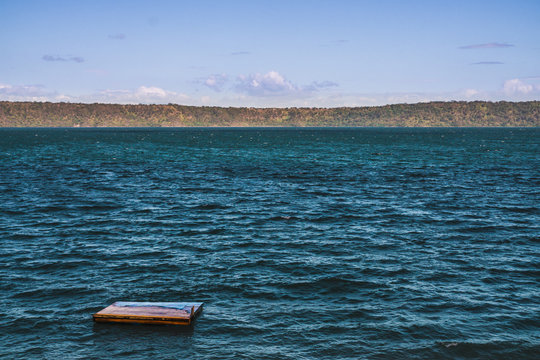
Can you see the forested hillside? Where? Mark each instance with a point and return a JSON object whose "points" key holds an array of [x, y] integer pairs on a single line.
{"points": [[477, 113]]}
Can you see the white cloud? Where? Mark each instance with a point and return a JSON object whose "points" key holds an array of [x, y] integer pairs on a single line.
{"points": [[269, 84], [216, 82], [141, 95], [63, 98], [28, 93], [517, 86], [151, 92], [468, 93], [273, 84]]}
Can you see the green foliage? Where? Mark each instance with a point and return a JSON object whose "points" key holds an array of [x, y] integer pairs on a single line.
{"points": [[444, 114]]}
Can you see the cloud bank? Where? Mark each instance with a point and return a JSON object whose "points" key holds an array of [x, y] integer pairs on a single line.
{"points": [[140, 95], [273, 90], [27, 93], [521, 86], [270, 84], [274, 84]]}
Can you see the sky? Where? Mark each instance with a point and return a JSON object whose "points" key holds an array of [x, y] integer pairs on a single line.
{"points": [[269, 53]]}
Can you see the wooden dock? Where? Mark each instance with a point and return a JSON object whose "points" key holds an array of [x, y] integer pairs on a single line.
{"points": [[163, 313]]}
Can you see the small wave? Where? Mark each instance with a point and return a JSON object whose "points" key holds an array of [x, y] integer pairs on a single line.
{"points": [[24, 236], [283, 218], [210, 206], [521, 210], [54, 292], [481, 229], [385, 272], [99, 207], [485, 350], [334, 285], [53, 265]]}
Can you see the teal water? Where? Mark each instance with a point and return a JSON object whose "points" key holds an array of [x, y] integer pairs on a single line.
{"points": [[303, 243]]}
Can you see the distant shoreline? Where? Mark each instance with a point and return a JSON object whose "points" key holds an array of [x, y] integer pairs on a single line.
{"points": [[432, 114]]}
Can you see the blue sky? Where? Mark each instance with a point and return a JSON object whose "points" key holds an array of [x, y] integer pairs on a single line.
{"points": [[269, 53]]}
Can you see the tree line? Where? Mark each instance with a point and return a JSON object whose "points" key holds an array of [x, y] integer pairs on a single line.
{"points": [[431, 114]]}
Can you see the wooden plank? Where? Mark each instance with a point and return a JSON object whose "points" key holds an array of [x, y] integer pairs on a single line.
{"points": [[173, 313]]}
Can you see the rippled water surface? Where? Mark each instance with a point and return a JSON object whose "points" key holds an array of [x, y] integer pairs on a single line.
{"points": [[303, 243]]}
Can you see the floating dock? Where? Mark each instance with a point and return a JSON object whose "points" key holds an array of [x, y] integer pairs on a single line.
{"points": [[163, 313]]}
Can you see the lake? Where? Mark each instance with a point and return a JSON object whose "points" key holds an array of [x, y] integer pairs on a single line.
{"points": [[302, 243]]}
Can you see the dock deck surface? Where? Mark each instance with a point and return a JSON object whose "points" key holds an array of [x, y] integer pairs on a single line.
{"points": [[172, 313]]}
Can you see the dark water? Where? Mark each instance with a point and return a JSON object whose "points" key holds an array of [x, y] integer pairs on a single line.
{"points": [[303, 243]]}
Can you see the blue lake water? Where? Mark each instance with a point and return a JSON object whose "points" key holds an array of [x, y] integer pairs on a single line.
{"points": [[303, 243]]}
